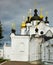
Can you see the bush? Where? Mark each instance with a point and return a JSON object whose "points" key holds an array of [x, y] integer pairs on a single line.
{"points": [[2, 60]]}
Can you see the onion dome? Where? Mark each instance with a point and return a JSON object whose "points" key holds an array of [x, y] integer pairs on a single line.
{"points": [[28, 20], [35, 17], [41, 16], [46, 20], [23, 25], [13, 31]]}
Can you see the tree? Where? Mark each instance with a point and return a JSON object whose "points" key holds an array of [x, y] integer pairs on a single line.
{"points": [[1, 36]]}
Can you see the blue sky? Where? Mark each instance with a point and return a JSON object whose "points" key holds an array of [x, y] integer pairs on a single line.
{"points": [[14, 10]]}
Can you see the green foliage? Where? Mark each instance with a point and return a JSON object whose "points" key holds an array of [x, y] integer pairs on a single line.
{"points": [[1, 31], [2, 60]]}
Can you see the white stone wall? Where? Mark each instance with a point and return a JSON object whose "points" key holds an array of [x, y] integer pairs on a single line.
{"points": [[1, 52], [32, 30], [20, 48], [7, 52], [35, 51], [41, 27], [44, 51], [47, 51]]}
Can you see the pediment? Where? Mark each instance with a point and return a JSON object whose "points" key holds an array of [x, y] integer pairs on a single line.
{"points": [[49, 33]]}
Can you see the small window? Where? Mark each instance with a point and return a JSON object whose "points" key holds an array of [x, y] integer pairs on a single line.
{"points": [[41, 32]]}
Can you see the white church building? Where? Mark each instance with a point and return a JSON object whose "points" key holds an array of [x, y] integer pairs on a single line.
{"points": [[33, 43]]}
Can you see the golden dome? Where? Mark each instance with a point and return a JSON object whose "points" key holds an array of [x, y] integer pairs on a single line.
{"points": [[23, 25], [41, 16]]}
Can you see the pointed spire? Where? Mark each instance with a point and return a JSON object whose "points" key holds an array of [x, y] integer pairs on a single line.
{"points": [[41, 15], [23, 25], [13, 25], [46, 13], [13, 30], [46, 18], [35, 4], [29, 13], [23, 18]]}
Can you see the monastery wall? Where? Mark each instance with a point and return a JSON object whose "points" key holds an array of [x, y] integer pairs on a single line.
{"points": [[20, 48]]}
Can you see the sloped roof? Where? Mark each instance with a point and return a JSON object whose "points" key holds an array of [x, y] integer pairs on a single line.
{"points": [[43, 27], [49, 33]]}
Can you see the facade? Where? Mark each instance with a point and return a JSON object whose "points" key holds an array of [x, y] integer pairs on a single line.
{"points": [[20, 50], [47, 51], [30, 44]]}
